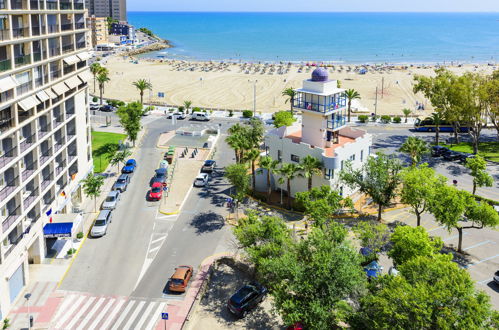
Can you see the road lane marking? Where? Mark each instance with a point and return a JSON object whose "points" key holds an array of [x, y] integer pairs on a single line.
{"points": [[154, 318], [153, 250], [145, 315], [479, 244], [70, 311], [134, 315], [101, 314], [90, 314], [124, 314], [79, 314], [113, 314], [483, 260], [158, 240]]}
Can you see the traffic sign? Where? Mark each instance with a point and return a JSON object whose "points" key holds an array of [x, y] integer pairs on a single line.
{"points": [[164, 316]]}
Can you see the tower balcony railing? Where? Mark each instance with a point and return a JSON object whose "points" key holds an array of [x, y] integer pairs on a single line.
{"points": [[47, 180], [67, 26], [4, 35], [11, 218], [312, 106], [79, 25], [18, 4], [52, 28], [8, 157], [68, 48], [5, 65], [51, 5], [65, 5], [22, 60], [31, 198], [28, 172], [45, 155], [78, 5], [20, 32], [27, 142], [337, 123], [9, 188]]}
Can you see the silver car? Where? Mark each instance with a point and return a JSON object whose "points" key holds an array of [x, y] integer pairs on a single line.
{"points": [[111, 200], [99, 228], [122, 182]]}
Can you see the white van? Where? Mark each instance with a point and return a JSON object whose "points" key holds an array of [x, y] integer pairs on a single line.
{"points": [[200, 116]]}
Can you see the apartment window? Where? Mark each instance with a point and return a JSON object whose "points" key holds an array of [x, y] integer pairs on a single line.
{"points": [[295, 158], [24, 80], [342, 165], [328, 174], [279, 156], [362, 155], [352, 157]]}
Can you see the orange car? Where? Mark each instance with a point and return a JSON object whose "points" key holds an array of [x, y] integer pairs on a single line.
{"points": [[179, 279]]}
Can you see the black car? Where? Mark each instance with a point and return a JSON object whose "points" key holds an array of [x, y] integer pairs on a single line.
{"points": [[452, 155], [107, 108], [208, 166], [496, 278], [437, 151], [246, 298], [160, 176], [464, 156]]}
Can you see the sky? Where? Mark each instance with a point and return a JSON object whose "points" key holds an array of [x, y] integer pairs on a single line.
{"points": [[315, 5]]}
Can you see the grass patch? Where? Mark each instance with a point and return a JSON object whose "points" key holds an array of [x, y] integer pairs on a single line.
{"points": [[488, 150], [103, 146]]}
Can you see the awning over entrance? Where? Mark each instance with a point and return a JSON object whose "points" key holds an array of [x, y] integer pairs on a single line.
{"points": [[55, 230]]}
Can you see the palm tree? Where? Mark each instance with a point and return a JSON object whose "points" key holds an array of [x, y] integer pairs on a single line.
{"points": [[288, 172], [120, 157], [95, 69], [102, 78], [142, 85], [269, 164], [437, 120], [187, 105], [236, 143], [351, 94], [406, 113], [310, 166], [416, 148], [252, 156], [290, 93]]}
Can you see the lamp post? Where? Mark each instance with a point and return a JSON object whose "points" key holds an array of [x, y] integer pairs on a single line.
{"points": [[27, 296], [254, 95]]}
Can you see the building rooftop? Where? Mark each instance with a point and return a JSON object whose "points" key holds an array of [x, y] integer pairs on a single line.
{"points": [[329, 151], [320, 74]]}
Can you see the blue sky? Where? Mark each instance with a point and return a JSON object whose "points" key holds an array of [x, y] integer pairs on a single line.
{"points": [[314, 5]]}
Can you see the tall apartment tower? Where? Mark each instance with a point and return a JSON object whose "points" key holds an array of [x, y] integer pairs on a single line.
{"points": [[45, 146], [107, 8]]}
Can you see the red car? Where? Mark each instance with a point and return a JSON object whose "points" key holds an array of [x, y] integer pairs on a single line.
{"points": [[156, 191]]}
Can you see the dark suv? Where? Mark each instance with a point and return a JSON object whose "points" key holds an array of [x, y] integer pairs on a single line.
{"points": [[246, 298]]}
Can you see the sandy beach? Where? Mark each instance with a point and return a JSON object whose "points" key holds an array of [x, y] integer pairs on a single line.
{"points": [[230, 86]]}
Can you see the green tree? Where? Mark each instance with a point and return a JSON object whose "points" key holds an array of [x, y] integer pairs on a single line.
{"points": [[119, 157], [415, 147], [187, 105], [237, 174], [379, 178], [255, 130], [290, 93], [478, 169], [102, 78], [130, 116], [457, 209], [142, 85], [430, 292], [418, 188], [283, 118], [288, 172], [406, 113], [351, 94], [490, 96], [252, 156], [310, 166], [320, 204], [269, 164], [94, 69], [437, 120], [372, 235], [239, 140], [92, 187], [410, 242]]}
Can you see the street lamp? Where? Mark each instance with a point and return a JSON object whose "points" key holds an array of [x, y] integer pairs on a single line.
{"points": [[254, 95], [27, 296]]}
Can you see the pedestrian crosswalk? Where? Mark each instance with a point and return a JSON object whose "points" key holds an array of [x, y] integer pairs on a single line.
{"points": [[83, 311]]}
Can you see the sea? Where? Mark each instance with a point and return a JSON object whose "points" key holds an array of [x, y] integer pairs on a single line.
{"points": [[326, 37]]}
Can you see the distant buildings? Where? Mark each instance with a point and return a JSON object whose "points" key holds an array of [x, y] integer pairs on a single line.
{"points": [[45, 148], [99, 32], [115, 9], [322, 134]]}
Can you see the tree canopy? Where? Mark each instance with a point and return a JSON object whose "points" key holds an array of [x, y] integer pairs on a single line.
{"points": [[283, 118], [478, 169], [130, 116], [410, 242], [320, 204]]}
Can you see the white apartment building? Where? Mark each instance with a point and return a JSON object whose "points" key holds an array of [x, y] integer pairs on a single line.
{"points": [[322, 134], [44, 129]]}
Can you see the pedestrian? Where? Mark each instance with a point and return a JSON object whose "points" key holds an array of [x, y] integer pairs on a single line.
{"points": [[454, 182]]}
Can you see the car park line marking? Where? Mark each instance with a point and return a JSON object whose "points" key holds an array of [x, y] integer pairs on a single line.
{"points": [[485, 281], [479, 244], [154, 249], [483, 260], [435, 228], [449, 238], [157, 240]]}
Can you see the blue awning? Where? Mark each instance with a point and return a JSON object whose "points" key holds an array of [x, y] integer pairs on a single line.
{"points": [[55, 230]]}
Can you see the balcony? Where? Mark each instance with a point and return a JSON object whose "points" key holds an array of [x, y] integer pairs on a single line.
{"points": [[22, 60], [7, 157], [58, 144], [9, 188], [57, 122], [4, 35], [28, 142], [79, 26], [67, 26], [13, 243], [24, 88], [18, 4], [60, 167], [55, 51], [337, 123], [45, 155], [43, 131], [31, 198], [11, 218], [6, 123], [20, 32], [68, 48], [5, 65], [47, 180], [55, 74], [36, 30], [51, 5], [37, 56], [65, 5], [34, 4], [78, 6], [52, 28], [26, 174]]}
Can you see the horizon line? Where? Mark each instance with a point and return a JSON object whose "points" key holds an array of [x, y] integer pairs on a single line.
{"points": [[314, 12]]}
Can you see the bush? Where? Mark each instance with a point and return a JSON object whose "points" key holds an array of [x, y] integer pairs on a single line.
{"points": [[181, 108], [385, 119], [397, 120], [363, 118], [231, 113], [283, 118], [79, 235], [95, 99], [247, 113], [374, 118], [196, 109]]}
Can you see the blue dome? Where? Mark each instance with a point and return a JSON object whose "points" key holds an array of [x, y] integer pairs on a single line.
{"points": [[320, 74]]}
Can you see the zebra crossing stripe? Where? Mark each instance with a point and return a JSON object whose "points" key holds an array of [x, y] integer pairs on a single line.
{"points": [[70, 311], [102, 313], [155, 316], [90, 314], [123, 314], [66, 301], [134, 315], [113, 314], [145, 315], [81, 311]]}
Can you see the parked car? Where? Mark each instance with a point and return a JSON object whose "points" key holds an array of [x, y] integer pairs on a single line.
{"points": [[163, 164], [246, 298], [463, 156], [209, 166], [107, 108], [99, 228], [437, 151], [129, 167], [111, 200], [179, 280], [122, 183], [496, 278], [452, 155], [94, 107], [202, 116], [160, 176], [178, 115], [156, 192], [201, 180]]}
